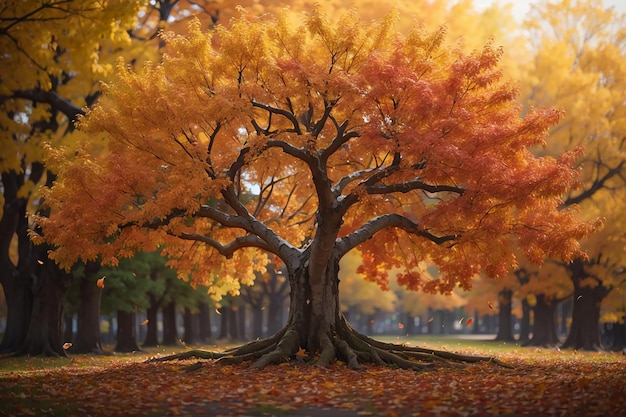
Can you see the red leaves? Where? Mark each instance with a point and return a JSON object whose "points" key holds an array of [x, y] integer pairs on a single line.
{"points": [[546, 383]]}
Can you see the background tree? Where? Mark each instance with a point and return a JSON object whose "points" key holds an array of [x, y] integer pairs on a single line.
{"points": [[49, 63], [346, 132], [579, 64]]}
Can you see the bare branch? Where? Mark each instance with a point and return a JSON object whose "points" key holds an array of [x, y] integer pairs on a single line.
{"points": [[369, 229], [227, 250], [51, 97]]}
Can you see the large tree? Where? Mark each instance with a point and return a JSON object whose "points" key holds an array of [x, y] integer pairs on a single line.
{"points": [[306, 141]]}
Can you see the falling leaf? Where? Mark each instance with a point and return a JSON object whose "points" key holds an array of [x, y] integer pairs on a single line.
{"points": [[579, 297], [67, 345], [430, 320], [468, 322], [39, 261], [372, 321], [145, 322], [490, 305], [100, 282], [400, 326], [217, 310], [461, 320]]}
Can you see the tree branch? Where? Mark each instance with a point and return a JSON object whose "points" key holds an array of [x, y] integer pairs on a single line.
{"points": [[410, 186], [51, 97], [596, 186], [369, 229], [227, 250]]}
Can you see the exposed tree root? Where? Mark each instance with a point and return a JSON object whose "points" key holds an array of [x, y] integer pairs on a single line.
{"points": [[343, 344]]}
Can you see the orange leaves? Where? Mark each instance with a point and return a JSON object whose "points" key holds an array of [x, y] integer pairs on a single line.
{"points": [[535, 386], [100, 282]]}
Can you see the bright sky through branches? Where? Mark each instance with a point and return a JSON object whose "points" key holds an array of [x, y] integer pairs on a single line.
{"points": [[521, 8]]}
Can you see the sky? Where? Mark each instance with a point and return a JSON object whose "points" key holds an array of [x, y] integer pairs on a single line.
{"points": [[521, 7]]}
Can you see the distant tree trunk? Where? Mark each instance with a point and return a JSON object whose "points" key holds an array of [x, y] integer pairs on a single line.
{"points": [[524, 335], [257, 322], [242, 321], [565, 314], [544, 328], [409, 324], [68, 327], [476, 324], [204, 323], [584, 332], [275, 309], [88, 338], [189, 336], [224, 319], [126, 332], [152, 315], [233, 323], [618, 338], [505, 328], [170, 332]]}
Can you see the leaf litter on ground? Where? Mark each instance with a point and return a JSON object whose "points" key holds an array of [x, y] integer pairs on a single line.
{"points": [[542, 382]]}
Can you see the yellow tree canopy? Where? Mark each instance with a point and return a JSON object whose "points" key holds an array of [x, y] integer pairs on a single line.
{"points": [[314, 138]]}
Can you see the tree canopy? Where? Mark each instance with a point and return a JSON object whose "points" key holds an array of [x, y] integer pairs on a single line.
{"points": [[248, 137]]}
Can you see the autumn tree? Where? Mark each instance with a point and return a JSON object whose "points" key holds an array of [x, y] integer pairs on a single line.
{"points": [[579, 65], [307, 142], [47, 69]]}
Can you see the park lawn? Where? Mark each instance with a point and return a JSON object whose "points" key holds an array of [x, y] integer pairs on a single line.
{"points": [[546, 382]]}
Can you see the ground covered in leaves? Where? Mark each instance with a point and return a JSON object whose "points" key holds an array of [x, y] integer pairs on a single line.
{"points": [[543, 382]]}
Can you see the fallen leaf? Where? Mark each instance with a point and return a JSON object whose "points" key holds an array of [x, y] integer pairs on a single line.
{"points": [[301, 353]]}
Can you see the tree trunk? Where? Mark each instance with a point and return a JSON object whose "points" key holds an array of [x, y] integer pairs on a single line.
{"points": [[152, 338], [45, 329], [126, 332], [170, 332], [233, 323], [584, 332], [88, 338], [275, 320], [204, 323], [257, 322], [317, 332], [505, 328], [19, 301], [189, 336], [68, 327], [544, 329], [524, 335]]}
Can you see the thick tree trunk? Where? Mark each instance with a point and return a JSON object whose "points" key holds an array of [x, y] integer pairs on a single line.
{"points": [[584, 332], [45, 329], [19, 301], [126, 332], [544, 329], [88, 338], [505, 328], [170, 333]]}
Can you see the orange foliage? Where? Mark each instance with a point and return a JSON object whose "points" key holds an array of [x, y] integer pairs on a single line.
{"points": [[279, 137]]}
